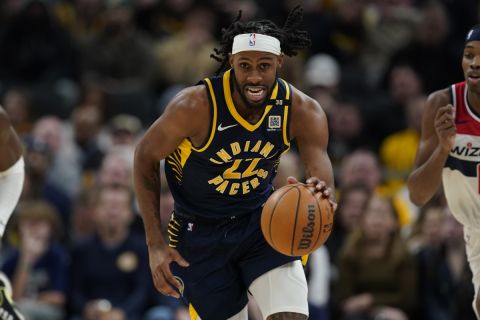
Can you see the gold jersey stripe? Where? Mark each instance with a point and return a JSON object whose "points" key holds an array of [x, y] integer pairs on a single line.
{"points": [[214, 117], [233, 111]]}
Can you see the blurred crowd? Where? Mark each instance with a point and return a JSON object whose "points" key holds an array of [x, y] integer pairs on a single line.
{"points": [[82, 79]]}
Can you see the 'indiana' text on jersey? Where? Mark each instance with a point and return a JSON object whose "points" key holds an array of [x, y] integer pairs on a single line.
{"points": [[232, 173]]}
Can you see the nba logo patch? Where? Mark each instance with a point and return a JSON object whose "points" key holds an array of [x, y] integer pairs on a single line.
{"points": [[251, 41], [274, 122]]}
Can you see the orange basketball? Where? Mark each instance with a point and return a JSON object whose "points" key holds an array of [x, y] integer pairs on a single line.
{"points": [[295, 222]]}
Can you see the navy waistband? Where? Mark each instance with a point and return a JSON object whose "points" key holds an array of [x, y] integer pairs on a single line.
{"points": [[206, 220]]}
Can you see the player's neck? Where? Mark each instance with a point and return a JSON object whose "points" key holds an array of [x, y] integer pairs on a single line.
{"points": [[250, 114], [474, 100]]}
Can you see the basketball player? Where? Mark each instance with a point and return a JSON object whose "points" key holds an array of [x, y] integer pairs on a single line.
{"points": [[222, 140], [449, 151], [11, 182]]}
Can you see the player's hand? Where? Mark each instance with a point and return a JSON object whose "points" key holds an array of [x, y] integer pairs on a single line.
{"points": [[445, 127], [319, 187], [160, 259]]}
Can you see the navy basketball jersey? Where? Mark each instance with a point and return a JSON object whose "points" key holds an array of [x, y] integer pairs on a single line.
{"points": [[232, 173]]}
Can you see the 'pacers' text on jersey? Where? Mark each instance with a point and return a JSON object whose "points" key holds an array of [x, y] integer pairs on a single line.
{"points": [[231, 174]]}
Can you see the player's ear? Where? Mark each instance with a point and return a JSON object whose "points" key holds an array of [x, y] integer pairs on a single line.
{"points": [[230, 59], [280, 60]]}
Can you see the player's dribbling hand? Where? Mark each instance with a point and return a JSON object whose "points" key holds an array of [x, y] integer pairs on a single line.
{"points": [[160, 259], [445, 127], [319, 187]]}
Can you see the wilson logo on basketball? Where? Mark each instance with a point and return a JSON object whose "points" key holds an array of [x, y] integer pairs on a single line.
{"points": [[307, 231], [295, 221]]}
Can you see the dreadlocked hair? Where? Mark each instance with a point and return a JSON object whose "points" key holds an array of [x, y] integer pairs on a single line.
{"points": [[291, 38]]}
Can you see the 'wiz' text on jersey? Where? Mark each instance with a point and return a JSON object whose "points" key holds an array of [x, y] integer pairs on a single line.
{"points": [[232, 173], [461, 174]]}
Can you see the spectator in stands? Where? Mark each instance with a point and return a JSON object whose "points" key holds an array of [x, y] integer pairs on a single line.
{"points": [[39, 266], [377, 274], [110, 268]]}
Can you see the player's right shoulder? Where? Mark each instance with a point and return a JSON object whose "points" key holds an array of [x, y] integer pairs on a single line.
{"points": [[187, 113], [190, 99], [439, 98]]}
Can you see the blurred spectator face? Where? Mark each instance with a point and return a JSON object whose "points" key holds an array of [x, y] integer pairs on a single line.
{"points": [[345, 121], [432, 225], [124, 129], [405, 84], [248, 7], [83, 214], [379, 219], [178, 5], [414, 109], [322, 70], [200, 24], [37, 223], [434, 26], [89, 7], [321, 77], [350, 11], [115, 170], [49, 130], [118, 16], [86, 123], [37, 158], [360, 167], [38, 229], [452, 230], [351, 208], [17, 107], [113, 210], [93, 94]]}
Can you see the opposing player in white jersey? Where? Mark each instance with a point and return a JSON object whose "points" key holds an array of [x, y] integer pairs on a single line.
{"points": [[449, 152], [11, 182]]}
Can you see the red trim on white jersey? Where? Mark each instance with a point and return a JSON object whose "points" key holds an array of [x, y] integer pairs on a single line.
{"points": [[466, 121]]}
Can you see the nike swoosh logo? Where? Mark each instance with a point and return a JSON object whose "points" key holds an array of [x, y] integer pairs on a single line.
{"points": [[220, 128]]}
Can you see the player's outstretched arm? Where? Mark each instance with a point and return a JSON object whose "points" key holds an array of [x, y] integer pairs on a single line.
{"points": [[10, 144], [309, 127], [437, 139], [176, 124]]}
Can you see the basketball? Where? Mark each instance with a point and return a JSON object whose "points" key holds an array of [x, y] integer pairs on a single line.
{"points": [[295, 222]]}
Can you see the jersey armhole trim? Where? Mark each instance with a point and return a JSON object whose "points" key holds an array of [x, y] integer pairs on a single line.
{"points": [[286, 119], [213, 116]]}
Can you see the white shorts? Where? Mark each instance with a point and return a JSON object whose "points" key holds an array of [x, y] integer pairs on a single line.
{"points": [[283, 289], [472, 241]]}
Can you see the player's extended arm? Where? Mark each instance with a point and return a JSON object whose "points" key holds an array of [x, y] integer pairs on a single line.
{"points": [[178, 122], [437, 139], [10, 145], [310, 129], [11, 169]]}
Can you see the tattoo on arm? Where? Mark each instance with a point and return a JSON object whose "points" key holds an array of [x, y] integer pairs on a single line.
{"points": [[287, 316], [152, 184]]}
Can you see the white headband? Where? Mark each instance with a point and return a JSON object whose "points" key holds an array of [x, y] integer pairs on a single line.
{"points": [[256, 42]]}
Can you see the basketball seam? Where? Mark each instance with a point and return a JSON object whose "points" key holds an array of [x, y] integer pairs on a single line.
{"points": [[295, 220], [273, 213], [321, 219]]}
